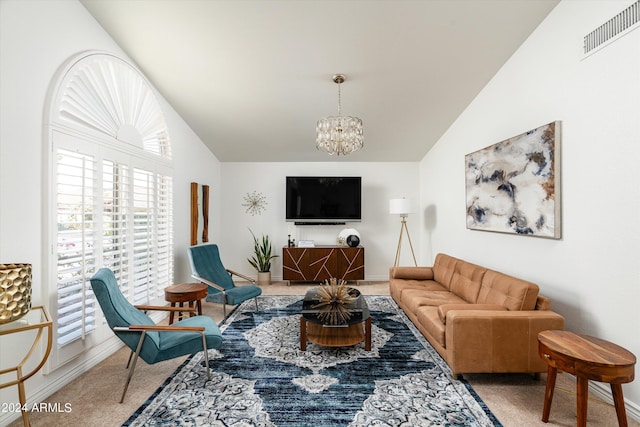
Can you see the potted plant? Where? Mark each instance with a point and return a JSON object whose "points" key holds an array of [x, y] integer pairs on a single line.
{"points": [[261, 259]]}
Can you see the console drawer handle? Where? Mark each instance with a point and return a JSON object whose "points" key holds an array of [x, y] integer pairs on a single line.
{"points": [[547, 356]]}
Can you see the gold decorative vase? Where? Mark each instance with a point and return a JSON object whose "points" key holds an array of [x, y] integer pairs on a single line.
{"points": [[15, 291]]}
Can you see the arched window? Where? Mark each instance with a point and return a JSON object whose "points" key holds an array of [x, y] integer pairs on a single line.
{"points": [[110, 203]]}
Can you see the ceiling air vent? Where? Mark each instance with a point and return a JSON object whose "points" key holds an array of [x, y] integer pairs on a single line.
{"points": [[613, 29]]}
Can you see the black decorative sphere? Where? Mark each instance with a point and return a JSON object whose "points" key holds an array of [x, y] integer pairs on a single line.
{"points": [[353, 240]]}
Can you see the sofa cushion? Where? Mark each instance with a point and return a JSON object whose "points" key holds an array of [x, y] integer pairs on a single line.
{"points": [[423, 285], [445, 308], [428, 318], [398, 286], [443, 268], [413, 299], [466, 280], [511, 292]]}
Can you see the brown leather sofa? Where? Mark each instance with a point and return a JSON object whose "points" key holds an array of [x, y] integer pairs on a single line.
{"points": [[478, 319]]}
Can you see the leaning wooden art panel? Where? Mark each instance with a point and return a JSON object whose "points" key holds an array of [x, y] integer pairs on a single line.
{"points": [[199, 228], [194, 213], [514, 186]]}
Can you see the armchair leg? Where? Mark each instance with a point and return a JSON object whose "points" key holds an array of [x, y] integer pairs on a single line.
{"points": [[224, 304], [256, 301], [206, 356], [133, 366], [129, 361]]}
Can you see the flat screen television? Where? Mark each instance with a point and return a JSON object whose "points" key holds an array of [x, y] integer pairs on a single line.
{"points": [[323, 199]]}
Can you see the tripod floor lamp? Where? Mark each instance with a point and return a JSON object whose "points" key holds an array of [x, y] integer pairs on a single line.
{"points": [[403, 208]]}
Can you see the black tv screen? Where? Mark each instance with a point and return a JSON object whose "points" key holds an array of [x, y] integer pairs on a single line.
{"points": [[323, 199]]}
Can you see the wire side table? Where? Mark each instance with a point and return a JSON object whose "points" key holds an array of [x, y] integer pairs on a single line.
{"points": [[38, 319]]}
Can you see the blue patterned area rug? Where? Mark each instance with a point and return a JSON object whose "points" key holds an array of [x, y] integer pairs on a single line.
{"points": [[261, 378]]}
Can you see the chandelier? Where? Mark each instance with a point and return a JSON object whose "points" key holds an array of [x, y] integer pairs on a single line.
{"points": [[339, 134]]}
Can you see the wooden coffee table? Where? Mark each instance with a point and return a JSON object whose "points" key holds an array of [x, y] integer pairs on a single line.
{"points": [[588, 358], [185, 292]]}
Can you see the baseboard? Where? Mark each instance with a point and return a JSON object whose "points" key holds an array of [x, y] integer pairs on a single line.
{"points": [[603, 392], [377, 278], [105, 350], [373, 278]]}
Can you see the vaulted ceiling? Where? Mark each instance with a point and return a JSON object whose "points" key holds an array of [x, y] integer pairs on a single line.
{"points": [[252, 78]]}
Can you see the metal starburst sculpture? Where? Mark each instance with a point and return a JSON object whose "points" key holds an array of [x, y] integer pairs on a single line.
{"points": [[335, 301], [255, 203]]}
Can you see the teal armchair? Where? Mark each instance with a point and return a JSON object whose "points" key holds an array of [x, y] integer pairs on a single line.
{"points": [[207, 267], [153, 343]]}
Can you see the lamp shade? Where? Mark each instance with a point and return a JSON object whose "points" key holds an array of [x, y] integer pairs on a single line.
{"points": [[400, 206]]}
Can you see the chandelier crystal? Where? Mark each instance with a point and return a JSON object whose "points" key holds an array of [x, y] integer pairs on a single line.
{"points": [[339, 134]]}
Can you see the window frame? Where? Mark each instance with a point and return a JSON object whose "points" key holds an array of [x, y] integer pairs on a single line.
{"points": [[145, 148]]}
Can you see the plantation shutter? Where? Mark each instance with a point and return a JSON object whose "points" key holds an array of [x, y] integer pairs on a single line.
{"points": [[76, 207], [143, 241], [164, 233], [122, 221], [116, 229], [153, 238]]}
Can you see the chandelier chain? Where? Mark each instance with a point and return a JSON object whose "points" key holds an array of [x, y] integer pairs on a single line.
{"points": [[339, 100]]}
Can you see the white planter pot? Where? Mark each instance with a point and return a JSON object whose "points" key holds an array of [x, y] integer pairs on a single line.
{"points": [[264, 278]]}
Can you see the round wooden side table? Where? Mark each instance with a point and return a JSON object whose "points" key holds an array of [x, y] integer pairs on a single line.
{"points": [[185, 292], [588, 358]]}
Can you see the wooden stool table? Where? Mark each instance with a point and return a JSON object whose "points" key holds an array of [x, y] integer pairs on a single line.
{"points": [[588, 358], [185, 292]]}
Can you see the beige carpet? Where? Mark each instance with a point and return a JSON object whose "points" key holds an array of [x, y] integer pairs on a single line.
{"points": [[515, 399]]}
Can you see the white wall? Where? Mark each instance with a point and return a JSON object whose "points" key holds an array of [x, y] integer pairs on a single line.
{"points": [[592, 274], [378, 230], [36, 38]]}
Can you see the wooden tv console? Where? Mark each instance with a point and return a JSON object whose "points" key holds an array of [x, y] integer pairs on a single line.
{"points": [[320, 263]]}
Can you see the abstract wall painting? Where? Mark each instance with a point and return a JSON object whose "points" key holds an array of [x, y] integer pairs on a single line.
{"points": [[514, 186]]}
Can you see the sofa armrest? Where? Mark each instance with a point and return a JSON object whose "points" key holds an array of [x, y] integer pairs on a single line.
{"points": [[497, 341], [415, 273], [446, 308]]}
